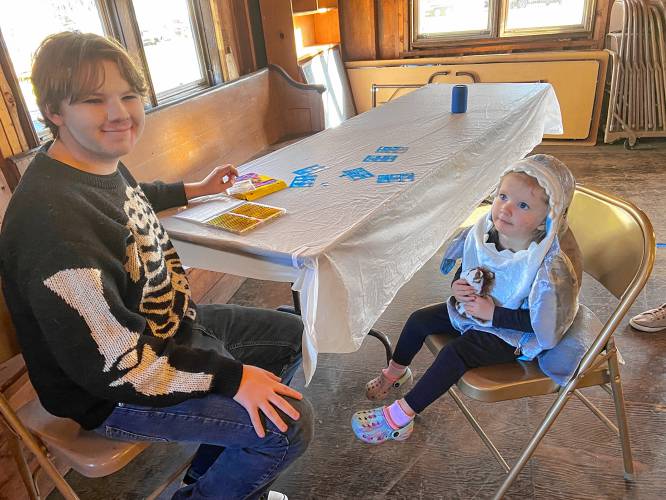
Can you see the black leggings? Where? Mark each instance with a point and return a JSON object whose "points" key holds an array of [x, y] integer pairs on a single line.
{"points": [[471, 350]]}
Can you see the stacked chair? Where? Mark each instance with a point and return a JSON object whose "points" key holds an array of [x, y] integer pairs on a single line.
{"points": [[637, 100]]}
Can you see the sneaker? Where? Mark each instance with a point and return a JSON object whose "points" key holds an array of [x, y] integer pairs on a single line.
{"points": [[276, 495], [372, 427], [653, 320], [380, 386]]}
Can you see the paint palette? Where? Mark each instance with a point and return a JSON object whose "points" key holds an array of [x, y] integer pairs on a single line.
{"points": [[245, 217]]}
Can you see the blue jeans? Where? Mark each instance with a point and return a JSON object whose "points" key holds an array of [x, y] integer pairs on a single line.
{"points": [[244, 465]]}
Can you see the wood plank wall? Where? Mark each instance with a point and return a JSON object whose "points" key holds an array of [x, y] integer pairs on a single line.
{"points": [[379, 29]]}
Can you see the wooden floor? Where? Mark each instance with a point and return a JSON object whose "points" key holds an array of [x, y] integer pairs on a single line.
{"points": [[444, 458]]}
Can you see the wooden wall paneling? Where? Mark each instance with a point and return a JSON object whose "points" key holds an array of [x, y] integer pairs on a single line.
{"points": [[11, 94], [12, 139], [241, 22], [389, 28], [327, 27], [227, 58], [304, 5], [304, 31], [278, 26], [357, 29], [235, 40]]}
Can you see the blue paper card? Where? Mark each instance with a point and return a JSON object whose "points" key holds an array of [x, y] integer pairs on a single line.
{"points": [[401, 177], [382, 158], [303, 181], [391, 149], [310, 170], [357, 174]]}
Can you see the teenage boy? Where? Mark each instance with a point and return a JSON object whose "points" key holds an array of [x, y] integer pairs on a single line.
{"points": [[102, 306]]}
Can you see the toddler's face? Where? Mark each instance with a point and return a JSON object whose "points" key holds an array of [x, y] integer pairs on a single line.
{"points": [[519, 207]]}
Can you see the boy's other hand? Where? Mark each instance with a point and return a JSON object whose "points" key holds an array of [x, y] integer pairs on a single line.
{"points": [[481, 307], [219, 180], [261, 390], [462, 291]]}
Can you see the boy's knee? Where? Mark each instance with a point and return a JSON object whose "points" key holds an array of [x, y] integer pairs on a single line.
{"points": [[301, 431], [290, 325]]}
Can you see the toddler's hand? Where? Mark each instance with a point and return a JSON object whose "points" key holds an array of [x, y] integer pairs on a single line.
{"points": [[462, 291], [481, 307]]}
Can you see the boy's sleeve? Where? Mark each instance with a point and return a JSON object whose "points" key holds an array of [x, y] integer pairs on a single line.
{"points": [[163, 196], [107, 348], [553, 299]]}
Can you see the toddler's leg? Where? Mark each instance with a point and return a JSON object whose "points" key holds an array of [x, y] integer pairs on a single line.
{"points": [[471, 350], [396, 421], [424, 322]]}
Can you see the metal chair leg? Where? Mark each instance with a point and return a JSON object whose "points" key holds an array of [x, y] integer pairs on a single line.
{"points": [[621, 416], [545, 426]]}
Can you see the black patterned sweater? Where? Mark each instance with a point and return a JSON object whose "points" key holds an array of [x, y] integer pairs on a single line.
{"points": [[98, 296]]}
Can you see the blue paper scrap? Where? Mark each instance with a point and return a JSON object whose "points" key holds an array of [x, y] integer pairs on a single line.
{"points": [[391, 149], [303, 181], [402, 177], [382, 158], [357, 173], [310, 170]]}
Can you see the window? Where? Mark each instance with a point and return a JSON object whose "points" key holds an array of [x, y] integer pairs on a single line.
{"points": [[46, 17], [438, 21], [173, 41]]}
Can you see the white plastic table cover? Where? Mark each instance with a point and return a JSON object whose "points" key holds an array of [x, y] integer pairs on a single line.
{"points": [[349, 245]]}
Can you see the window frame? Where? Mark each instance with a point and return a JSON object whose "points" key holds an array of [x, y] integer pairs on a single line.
{"points": [[120, 22], [497, 32]]}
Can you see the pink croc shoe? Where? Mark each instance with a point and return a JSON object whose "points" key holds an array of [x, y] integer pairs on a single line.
{"points": [[380, 386], [372, 427]]}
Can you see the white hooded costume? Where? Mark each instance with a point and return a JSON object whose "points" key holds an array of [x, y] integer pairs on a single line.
{"points": [[542, 278]]}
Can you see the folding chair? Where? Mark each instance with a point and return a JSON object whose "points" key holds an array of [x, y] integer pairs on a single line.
{"points": [[53, 441], [618, 247]]}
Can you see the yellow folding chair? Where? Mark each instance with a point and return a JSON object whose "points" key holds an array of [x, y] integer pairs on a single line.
{"points": [[57, 443], [618, 248]]}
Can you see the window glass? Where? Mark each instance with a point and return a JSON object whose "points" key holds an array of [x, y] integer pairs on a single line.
{"points": [[169, 43], [46, 17], [453, 16], [536, 14]]}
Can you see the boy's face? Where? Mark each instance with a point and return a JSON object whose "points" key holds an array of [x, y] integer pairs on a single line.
{"points": [[105, 124], [519, 207]]}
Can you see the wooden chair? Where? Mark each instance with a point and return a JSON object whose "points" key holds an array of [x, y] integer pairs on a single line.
{"points": [[618, 247], [56, 443]]}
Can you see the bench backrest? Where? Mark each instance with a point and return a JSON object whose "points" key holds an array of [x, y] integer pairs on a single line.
{"points": [[228, 124]]}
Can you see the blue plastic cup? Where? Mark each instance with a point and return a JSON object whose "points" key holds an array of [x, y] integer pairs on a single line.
{"points": [[459, 99]]}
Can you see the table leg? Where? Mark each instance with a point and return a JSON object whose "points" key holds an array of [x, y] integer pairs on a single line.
{"points": [[296, 309], [384, 340]]}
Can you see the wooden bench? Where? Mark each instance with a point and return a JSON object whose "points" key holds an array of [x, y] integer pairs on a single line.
{"points": [[232, 123]]}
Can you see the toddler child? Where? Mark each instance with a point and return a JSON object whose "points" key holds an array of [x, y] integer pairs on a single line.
{"points": [[525, 311]]}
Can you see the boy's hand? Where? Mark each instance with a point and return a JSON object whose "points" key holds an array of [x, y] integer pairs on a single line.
{"points": [[481, 307], [261, 390], [462, 291], [219, 180]]}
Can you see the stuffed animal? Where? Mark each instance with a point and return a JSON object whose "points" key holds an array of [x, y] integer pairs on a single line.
{"points": [[479, 278]]}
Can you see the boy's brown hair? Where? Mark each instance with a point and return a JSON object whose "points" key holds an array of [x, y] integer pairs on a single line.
{"points": [[67, 66]]}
